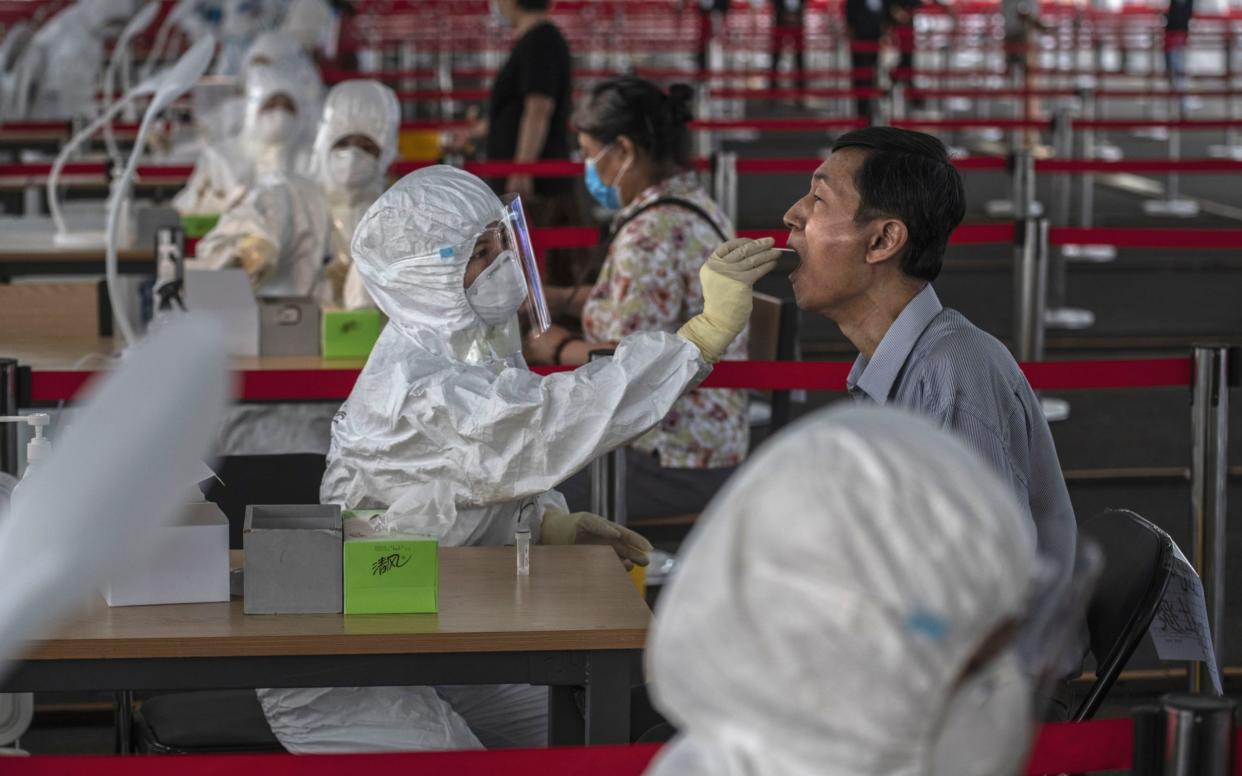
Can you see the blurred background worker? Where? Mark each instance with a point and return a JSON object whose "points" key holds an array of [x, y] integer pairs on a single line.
{"points": [[356, 142], [242, 21], [452, 436], [229, 159], [277, 231], [637, 142], [848, 607], [60, 69]]}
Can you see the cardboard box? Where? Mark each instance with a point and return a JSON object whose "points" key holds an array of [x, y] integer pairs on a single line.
{"points": [[288, 327], [226, 296], [53, 311], [293, 559], [350, 333], [185, 562], [388, 573]]}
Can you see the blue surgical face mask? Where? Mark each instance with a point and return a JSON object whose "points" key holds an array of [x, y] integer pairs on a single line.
{"points": [[608, 196]]}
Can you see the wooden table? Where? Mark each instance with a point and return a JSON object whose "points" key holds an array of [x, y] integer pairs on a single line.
{"points": [[576, 621]]}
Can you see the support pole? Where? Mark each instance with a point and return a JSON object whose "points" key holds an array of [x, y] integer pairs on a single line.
{"points": [[1198, 735], [8, 406], [1030, 288], [608, 477], [724, 184], [1215, 373]]}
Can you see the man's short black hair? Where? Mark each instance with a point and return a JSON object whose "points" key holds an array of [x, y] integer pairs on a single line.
{"points": [[907, 175], [534, 5]]}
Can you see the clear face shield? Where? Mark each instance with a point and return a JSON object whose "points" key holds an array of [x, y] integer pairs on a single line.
{"points": [[995, 710], [511, 275]]}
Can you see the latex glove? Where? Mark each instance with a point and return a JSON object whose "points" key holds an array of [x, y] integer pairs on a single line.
{"points": [[336, 273], [585, 528], [258, 257], [727, 277]]}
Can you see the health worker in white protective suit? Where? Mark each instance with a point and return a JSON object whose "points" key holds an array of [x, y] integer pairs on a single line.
{"points": [[848, 606], [450, 433], [276, 232], [241, 22], [229, 159], [357, 140], [59, 72]]}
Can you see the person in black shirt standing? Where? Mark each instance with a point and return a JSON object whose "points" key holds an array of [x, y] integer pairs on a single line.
{"points": [[529, 106], [864, 22], [1176, 32], [528, 120]]}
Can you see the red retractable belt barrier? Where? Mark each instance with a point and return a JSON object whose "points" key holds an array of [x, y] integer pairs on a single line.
{"points": [[808, 164], [792, 94], [1147, 237], [37, 170], [1082, 747], [779, 125], [48, 386], [34, 126], [1078, 747], [1186, 124], [580, 761], [1139, 165]]}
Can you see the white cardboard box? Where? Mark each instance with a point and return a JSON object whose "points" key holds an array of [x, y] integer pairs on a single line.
{"points": [[185, 562]]}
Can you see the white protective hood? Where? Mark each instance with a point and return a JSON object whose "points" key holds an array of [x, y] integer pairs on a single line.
{"points": [[288, 59], [360, 107], [62, 65], [446, 427], [830, 597]]}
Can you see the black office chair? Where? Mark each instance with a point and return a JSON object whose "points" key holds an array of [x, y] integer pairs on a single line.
{"points": [[229, 720], [1138, 563], [208, 722]]}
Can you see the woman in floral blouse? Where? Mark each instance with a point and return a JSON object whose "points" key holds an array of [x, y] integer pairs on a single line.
{"points": [[637, 144]]}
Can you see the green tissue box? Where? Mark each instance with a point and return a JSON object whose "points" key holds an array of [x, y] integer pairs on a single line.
{"points": [[388, 573], [196, 225], [350, 333]]}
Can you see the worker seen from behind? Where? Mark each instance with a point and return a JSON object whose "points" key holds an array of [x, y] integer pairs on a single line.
{"points": [[851, 605]]}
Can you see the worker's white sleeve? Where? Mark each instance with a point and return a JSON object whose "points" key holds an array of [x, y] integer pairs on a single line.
{"points": [[190, 199], [540, 430], [356, 296], [265, 212], [487, 444]]}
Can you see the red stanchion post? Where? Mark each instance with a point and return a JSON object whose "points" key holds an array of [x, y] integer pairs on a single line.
{"points": [[1030, 279], [1058, 315]]}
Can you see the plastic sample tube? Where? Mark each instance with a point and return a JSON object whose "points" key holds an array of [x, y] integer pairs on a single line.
{"points": [[521, 538]]}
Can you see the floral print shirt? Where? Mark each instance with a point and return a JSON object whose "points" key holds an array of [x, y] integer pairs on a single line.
{"points": [[650, 282]]}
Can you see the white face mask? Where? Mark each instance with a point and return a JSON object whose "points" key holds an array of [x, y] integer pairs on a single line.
{"points": [[274, 127], [498, 291], [351, 168], [986, 728]]}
